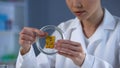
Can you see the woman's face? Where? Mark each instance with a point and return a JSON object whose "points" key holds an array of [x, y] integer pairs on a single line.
{"points": [[84, 9]]}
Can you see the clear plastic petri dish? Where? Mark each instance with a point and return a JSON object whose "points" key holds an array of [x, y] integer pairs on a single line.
{"points": [[46, 44]]}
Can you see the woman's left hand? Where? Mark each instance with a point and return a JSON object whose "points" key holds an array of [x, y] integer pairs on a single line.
{"points": [[72, 50]]}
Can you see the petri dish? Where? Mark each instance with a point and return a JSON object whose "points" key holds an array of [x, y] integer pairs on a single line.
{"points": [[46, 44]]}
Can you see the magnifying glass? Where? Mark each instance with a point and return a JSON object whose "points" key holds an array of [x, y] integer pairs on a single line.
{"points": [[46, 44]]}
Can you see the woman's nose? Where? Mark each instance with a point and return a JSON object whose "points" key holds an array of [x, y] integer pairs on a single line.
{"points": [[77, 3]]}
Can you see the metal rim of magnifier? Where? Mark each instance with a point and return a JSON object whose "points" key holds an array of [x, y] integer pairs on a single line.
{"points": [[46, 28]]}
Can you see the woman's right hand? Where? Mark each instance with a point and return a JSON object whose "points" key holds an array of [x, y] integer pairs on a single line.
{"points": [[27, 38]]}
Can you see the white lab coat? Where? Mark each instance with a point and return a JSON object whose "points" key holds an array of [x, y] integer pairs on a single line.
{"points": [[103, 50]]}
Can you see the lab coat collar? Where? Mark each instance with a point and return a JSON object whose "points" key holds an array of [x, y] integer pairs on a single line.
{"points": [[77, 33], [74, 33], [108, 20], [78, 36], [107, 23]]}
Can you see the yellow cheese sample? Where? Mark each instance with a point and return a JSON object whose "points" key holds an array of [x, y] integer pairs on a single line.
{"points": [[50, 40]]}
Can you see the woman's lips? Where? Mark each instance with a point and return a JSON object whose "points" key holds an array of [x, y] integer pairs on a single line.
{"points": [[79, 13]]}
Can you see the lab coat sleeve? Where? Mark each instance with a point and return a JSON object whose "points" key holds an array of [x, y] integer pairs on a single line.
{"points": [[95, 62], [27, 61]]}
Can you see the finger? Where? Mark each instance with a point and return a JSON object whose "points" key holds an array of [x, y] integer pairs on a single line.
{"points": [[27, 37], [70, 42], [66, 55], [69, 52], [71, 47], [71, 56], [39, 32], [24, 43], [27, 31], [33, 32]]}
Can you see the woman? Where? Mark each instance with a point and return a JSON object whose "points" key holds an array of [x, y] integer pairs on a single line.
{"points": [[94, 42]]}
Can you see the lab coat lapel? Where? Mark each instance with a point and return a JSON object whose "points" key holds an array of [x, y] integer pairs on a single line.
{"points": [[77, 36], [102, 32], [95, 40]]}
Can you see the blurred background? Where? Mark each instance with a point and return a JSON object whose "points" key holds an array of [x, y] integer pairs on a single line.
{"points": [[16, 14]]}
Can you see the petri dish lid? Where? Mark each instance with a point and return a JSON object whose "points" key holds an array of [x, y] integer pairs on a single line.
{"points": [[46, 44]]}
